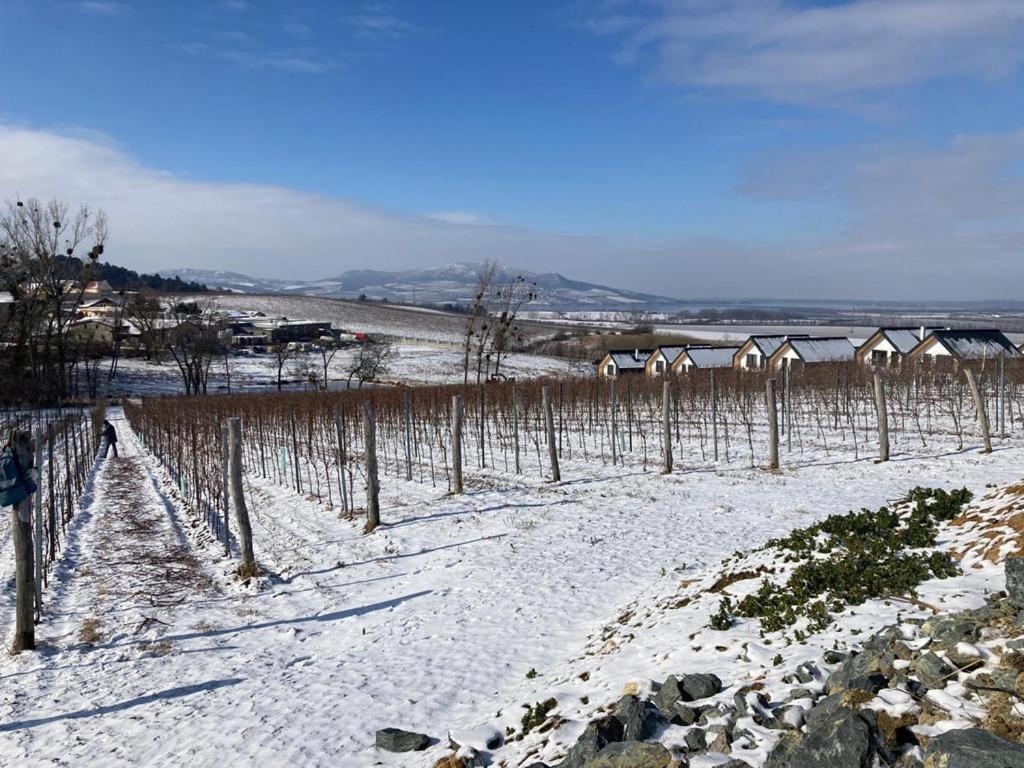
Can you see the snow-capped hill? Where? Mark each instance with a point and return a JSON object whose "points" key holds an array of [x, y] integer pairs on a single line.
{"points": [[449, 284]]}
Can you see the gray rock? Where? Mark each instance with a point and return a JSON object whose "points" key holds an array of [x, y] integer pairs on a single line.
{"points": [[868, 671], [719, 739], [696, 740], [631, 754], [804, 673], [669, 693], [716, 712], [1015, 579], [686, 714], [734, 764], [686, 688], [397, 740], [972, 748], [835, 736], [801, 693], [1017, 644], [947, 631], [597, 735], [701, 686], [834, 657], [931, 670], [639, 719], [748, 702]]}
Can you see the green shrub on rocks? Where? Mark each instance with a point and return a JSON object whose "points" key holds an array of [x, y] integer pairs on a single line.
{"points": [[849, 559]]}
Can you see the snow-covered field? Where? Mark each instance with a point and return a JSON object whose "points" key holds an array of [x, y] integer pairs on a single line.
{"points": [[454, 614], [412, 363], [354, 316]]}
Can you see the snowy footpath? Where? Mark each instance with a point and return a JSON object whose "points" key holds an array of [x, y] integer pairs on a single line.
{"points": [[456, 609]]}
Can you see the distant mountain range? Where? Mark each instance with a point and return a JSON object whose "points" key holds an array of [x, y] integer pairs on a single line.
{"points": [[451, 284]]}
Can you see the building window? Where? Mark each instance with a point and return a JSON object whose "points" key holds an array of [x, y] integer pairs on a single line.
{"points": [[879, 357], [753, 360], [659, 366], [610, 370]]}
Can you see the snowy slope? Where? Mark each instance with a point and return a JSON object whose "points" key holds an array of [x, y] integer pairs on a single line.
{"points": [[432, 622]]}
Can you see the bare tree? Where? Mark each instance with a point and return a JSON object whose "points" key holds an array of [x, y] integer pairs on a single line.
{"points": [[281, 353], [372, 359], [476, 321], [193, 343], [306, 370], [119, 334], [511, 298], [38, 243], [328, 348], [144, 311]]}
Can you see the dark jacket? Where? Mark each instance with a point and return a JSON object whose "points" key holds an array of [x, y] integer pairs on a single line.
{"points": [[109, 434]]}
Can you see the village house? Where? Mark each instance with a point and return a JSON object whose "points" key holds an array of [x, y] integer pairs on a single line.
{"points": [[888, 347], [622, 361], [753, 354], [100, 331], [807, 350], [95, 308], [703, 358], [949, 348], [662, 359]]}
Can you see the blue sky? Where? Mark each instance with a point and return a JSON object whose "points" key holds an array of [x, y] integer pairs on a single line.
{"points": [[665, 146]]}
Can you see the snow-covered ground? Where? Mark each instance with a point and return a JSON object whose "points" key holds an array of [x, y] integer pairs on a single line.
{"points": [[437, 620], [412, 363]]}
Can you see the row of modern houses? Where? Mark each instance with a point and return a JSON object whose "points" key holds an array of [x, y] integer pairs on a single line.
{"points": [[890, 347]]}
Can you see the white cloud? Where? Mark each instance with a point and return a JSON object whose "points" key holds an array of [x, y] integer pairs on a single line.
{"points": [[782, 49], [161, 220], [101, 8], [923, 223], [462, 217]]}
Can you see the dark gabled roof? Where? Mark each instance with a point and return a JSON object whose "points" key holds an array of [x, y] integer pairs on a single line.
{"points": [[672, 353], [974, 344], [629, 359], [816, 349], [768, 344], [903, 338]]}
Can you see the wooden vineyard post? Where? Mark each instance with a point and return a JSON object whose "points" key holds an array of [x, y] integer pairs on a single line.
{"points": [[787, 407], [1001, 398], [883, 418], [406, 412], [21, 533], [666, 427], [773, 424], [225, 461], [515, 428], [979, 404], [714, 415], [37, 514], [457, 444], [615, 426], [339, 425], [372, 483], [549, 427], [52, 502], [295, 452], [248, 567]]}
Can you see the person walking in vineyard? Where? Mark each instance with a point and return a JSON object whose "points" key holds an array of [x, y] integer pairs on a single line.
{"points": [[110, 438]]}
